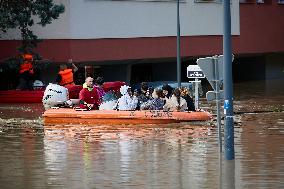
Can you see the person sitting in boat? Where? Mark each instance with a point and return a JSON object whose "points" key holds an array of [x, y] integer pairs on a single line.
{"points": [[149, 93], [110, 95], [26, 73], [65, 76], [141, 94], [176, 102], [99, 86], [156, 103], [127, 101], [88, 96], [189, 100], [109, 100]]}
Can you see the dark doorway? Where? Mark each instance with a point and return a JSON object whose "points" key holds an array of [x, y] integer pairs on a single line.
{"points": [[140, 73], [249, 68]]}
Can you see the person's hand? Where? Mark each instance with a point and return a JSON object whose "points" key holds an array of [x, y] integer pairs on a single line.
{"points": [[90, 106], [178, 108]]}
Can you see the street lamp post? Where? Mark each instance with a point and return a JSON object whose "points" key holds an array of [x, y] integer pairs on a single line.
{"points": [[228, 84], [178, 47]]}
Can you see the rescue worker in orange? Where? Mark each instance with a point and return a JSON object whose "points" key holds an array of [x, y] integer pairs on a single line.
{"points": [[26, 73], [65, 76]]}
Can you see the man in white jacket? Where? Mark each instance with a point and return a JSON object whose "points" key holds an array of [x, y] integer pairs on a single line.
{"points": [[127, 101]]}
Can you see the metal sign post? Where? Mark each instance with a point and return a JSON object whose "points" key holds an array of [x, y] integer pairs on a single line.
{"points": [[212, 67], [217, 87], [194, 72], [196, 94], [228, 83]]}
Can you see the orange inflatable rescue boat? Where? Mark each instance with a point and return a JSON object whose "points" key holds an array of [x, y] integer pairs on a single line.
{"points": [[68, 116]]}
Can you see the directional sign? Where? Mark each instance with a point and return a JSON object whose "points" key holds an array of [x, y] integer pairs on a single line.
{"points": [[208, 67], [212, 67], [194, 71]]}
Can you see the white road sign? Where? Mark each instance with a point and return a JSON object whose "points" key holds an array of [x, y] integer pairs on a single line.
{"points": [[194, 71]]}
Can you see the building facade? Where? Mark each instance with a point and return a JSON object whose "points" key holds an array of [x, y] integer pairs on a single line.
{"points": [[135, 40]]}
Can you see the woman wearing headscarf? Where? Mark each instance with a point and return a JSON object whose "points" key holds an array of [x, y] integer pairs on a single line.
{"points": [[126, 101]]}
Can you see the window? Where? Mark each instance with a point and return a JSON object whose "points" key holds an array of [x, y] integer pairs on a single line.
{"points": [[281, 1]]}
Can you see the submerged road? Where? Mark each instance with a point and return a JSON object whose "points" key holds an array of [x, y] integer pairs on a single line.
{"points": [[166, 156]]}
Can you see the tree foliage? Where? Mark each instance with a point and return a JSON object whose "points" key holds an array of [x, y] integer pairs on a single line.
{"points": [[22, 14]]}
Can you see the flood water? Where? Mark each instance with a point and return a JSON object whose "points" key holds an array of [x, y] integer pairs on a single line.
{"points": [[147, 156]]}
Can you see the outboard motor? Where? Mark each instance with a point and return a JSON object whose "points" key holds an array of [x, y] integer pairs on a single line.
{"points": [[55, 96]]}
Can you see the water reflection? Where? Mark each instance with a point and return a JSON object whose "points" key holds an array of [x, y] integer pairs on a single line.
{"points": [[228, 178], [133, 156]]}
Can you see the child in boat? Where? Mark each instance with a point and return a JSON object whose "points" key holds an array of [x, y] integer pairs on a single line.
{"points": [[88, 96], [156, 103], [127, 101], [176, 102]]}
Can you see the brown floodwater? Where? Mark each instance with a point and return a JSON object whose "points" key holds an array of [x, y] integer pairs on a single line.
{"points": [[182, 155]]}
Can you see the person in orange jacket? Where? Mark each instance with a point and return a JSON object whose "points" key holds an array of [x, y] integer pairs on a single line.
{"points": [[26, 78], [65, 75]]}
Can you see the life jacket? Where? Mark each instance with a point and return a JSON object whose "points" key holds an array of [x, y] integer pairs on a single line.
{"points": [[66, 77], [26, 66], [27, 57]]}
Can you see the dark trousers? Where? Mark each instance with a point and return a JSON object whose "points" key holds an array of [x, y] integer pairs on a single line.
{"points": [[26, 81]]}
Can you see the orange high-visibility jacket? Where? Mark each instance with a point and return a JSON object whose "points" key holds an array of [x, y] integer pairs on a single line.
{"points": [[26, 66], [28, 57], [66, 77]]}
